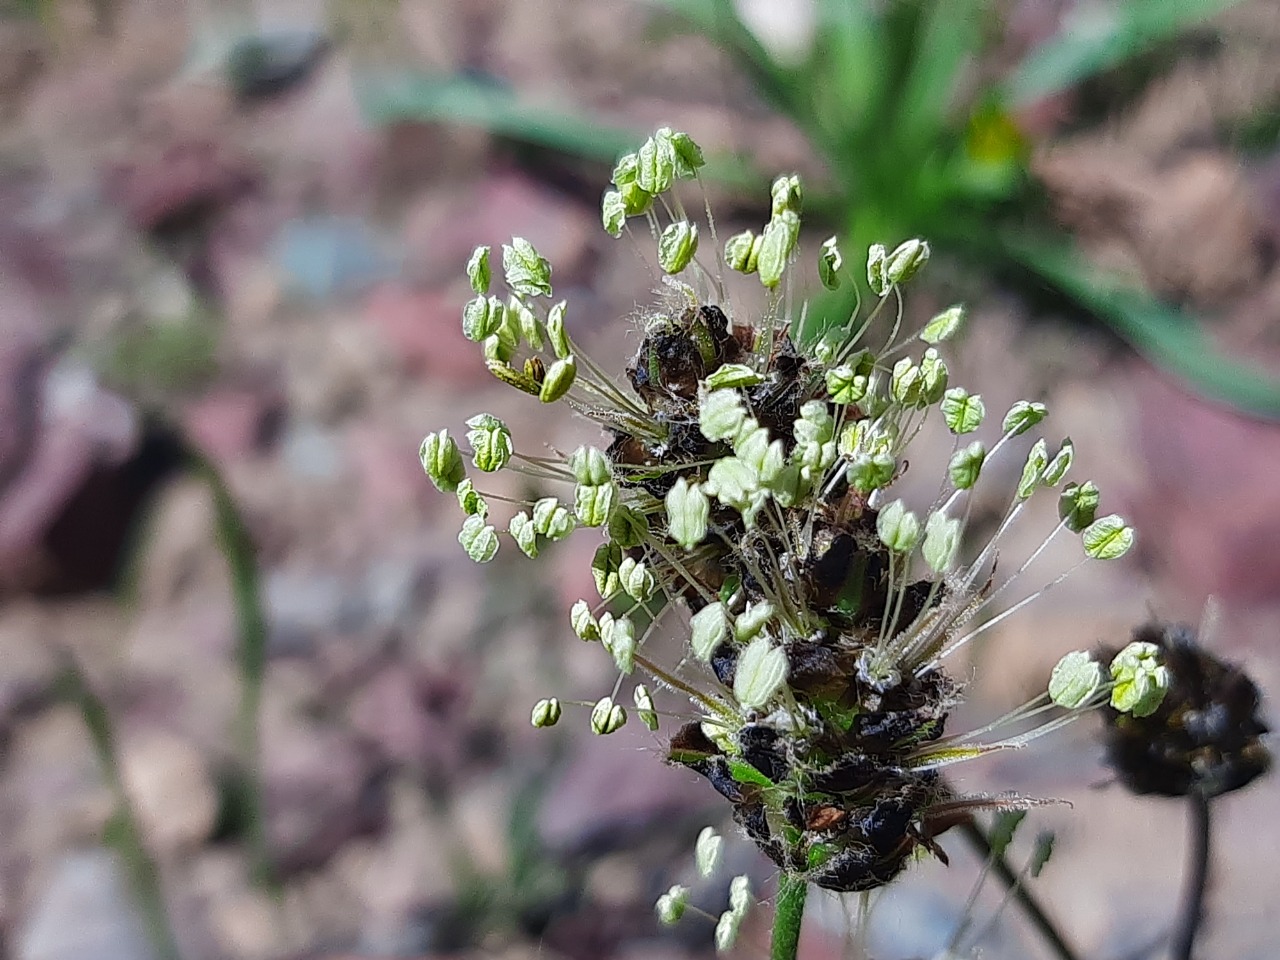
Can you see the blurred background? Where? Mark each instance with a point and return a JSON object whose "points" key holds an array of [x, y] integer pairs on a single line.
{"points": [[254, 700]]}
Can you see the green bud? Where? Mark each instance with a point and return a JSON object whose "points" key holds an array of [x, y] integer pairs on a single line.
{"points": [[481, 317], [740, 895], [497, 350], [941, 541], [933, 377], [584, 625], [546, 713], [845, 385], [708, 629], [527, 272], [898, 528], [479, 539], [870, 472], [707, 851], [829, 264], [613, 213], [688, 510], [626, 170], [604, 569], [776, 244], [636, 201], [619, 638], [1033, 469], [905, 261], [644, 706], [525, 536], [556, 333], [607, 716], [686, 154], [752, 620], [677, 246], [637, 582], [966, 465], [593, 503], [876, 279], [1141, 680], [944, 326], [559, 379], [1022, 416], [742, 252], [760, 673], [551, 519], [726, 933], [442, 461], [1075, 680], [490, 442], [470, 501], [1108, 538], [656, 169], [733, 482], [786, 195], [732, 375], [720, 414], [590, 465], [1060, 464], [1078, 504], [478, 270], [671, 905], [962, 412], [907, 384]]}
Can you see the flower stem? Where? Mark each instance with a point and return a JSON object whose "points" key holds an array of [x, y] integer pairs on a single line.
{"points": [[1193, 897], [787, 917]]}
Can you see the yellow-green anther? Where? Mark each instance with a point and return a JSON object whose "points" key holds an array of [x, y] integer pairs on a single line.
{"points": [[707, 851], [470, 501], [788, 486], [933, 377], [604, 569], [490, 442], [481, 317], [871, 471], [1141, 680], [845, 385], [740, 895], [1022, 416], [720, 414], [898, 528], [688, 510], [628, 527], [513, 377], [619, 638], [829, 264], [613, 213], [963, 412], [941, 540], [657, 162], [546, 712], [741, 252], [607, 716], [905, 261], [687, 155], [479, 539], [752, 620], [760, 673], [593, 503], [1060, 464], [876, 256], [751, 444], [726, 933], [944, 326], [776, 245], [590, 466], [442, 461], [677, 246], [523, 533], [815, 424], [497, 350], [528, 273], [1107, 538], [625, 170], [732, 375], [478, 272], [733, 482], [551, 519], [1078, 504], [644, 706], [966, 465], [770, 466], [671, 905], [708, 628], [1033, 469], [635, 199], [907, 383], [636, 579], [786, 196], [526, 322], [1075, 680], [559, 379], [556, 333], [584, 625]]}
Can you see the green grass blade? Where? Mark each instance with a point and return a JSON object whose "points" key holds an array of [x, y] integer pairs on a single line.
{"points": [[945, 37], [1161, 333]]}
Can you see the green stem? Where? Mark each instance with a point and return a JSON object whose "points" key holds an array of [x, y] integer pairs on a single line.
{"points": [[787, 917]]}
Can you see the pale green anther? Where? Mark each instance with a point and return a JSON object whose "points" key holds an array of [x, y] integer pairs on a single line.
{"points": [[829, 264], [707, 851], [470, 501], [526, 537], [732, 375], [740, 895], [876, 256], [963, 412], [636, 201], [526, 322], [742, 252], [898, 528], [870, 472], [786, 195], [442, 461], [966, 465], [513, 377], [613, 213], [752, 620], [479, 539], [677, 246], [1060, 464], [944, 326], [656, 169], [905, 261], [760, 673], [941, 540], [497, 350], [776, 244], [845, 385], [546, 712], [481, 318], [590, 465], [619, 638], [688, 155], [770, 466], [733, 482], [626, 169], [490, 442], [671, 905], [584, 625], [593, 503], [1078, 505], [815, 425], [556, 333], [527, 272], [1107, 538], [551, 519], [604, 569], [628, 527], [751, 445], [559, 379], [1141, 680], [688, 510], [1033, 469], [708, 629], [720, 414], [607, 716], [637, 582], [789, 487], [478, 272], [906, 383], [933, 377], [726, 933], [1075, 680], [1022, 416], [644, 706]]}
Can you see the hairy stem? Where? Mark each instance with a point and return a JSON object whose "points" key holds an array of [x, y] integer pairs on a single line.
{"points": [[787, 917], [1197, 880]]}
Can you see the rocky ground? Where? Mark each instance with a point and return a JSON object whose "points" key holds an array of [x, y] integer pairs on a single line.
{"points": [[276, 283]]}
